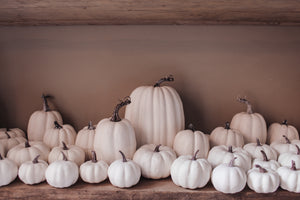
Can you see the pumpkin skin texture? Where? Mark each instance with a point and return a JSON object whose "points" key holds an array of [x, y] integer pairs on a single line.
{"points": [[289, 178], [33, 172], [226, 136], [187, 142], [85, 140], [288, 146], [156, 113], [113, 135], [190, 172], [251, 125], [124, 173], [285, 159], [12, 132], [254, 149], [265, 162], [11, 142], [56, 135], [8, 171], [42, 120], [154, 160], [276, 131]]}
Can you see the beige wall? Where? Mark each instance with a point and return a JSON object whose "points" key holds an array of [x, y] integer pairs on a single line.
{"points": [[88, 68]]}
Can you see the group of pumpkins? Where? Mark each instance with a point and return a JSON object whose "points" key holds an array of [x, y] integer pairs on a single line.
{"points": [[151, 142]]}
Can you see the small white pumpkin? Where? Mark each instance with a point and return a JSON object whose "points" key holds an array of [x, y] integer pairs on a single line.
{"points": [[251, 125], [12, 132], [8, 171], [42, 120], [55, 135], [289, 178], [226, 136], [154, 160], [285, 159], [223, 154], [265, 162], [124, 173], [187, 142], [72, 152], [85, 139], [263, 180], [10, 142], [27, 152], [228, 178], [288, 146], [190, 172], [93, 171], [62, 173], [254, 149], [276, 131], [33, 172]]}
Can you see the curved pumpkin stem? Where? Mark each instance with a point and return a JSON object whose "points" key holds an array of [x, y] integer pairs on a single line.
{"points": [[284, 122], [45, 103], [227, 125], [57, 125], [195, 155], [115, 117], [261, 169], [258, 142], [293, 167], [230, 149], [27, 144], [36, 159], [157, 148], [249, 107], [265, 158], [94, 157], [64, 156], [65, 147], [191, 127], [231, 162], [168, 78], [286, 139], [90, 126], [6, 133], [123, 156]]}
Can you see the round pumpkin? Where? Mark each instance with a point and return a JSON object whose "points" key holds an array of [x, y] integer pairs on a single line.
{"points": [[289, 178], [85, 140], [12, 132], [276, 131], [8, 171], [254, 149]]}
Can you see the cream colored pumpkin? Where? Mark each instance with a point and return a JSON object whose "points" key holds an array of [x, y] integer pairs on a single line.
{"points": [[288, 146], [60, 133], [254, 149], [10, 142], [276, 131], [285, 159], [12, 132], [42, 120], [265, 162], [251, 125], [85, 140], [113, 135], [8, 171], [156, 113], [289, 178], [187, 142]]}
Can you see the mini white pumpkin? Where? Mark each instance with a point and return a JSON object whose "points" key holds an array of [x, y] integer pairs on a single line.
{"points": [[289, 178], [42, 120], [226, 136], [10, 142], [276, 131], [93, 171], [263, 180], [62, 173], [115, 134], [265, 162], [12, 132], [55, 135], [154, 160], [27, 152], [223, 154], [285, 159], [251, 125], [72, 152], [190, 172], [124, 173], [8, 171], [288, 146], [85, 139], [254, 149], [187, 142], [228, 178], [33, 172]]}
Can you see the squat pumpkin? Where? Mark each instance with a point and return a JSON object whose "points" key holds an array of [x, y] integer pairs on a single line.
{"points": [[85, 139], [8, 171]]}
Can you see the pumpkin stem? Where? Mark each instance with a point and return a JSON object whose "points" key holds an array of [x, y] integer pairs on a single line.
{"points": [[298, 149], [45, 103], [6, 133], [261, 169], [1, 158], [64, 156], [284, 122], [227, 125], [123, 156], [115, 117], [90, 126], [230, 149], [35, 160], [57, 125], [286, 139], [195, 155], [231, 162], [94, 157], [27, 144], [191, 127], [157, 148], [249, 107], [264, 155], [258, 142], [64, 146], [168, 78], [293, 166]]}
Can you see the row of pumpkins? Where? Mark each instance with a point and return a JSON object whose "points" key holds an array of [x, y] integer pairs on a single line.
{"points": [[154, 115]]}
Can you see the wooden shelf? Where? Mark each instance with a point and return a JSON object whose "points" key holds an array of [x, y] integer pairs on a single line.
{"points": [[146, 189], [140, 12]]}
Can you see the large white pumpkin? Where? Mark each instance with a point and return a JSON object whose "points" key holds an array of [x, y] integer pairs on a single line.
{"points": [[156, 113], [42, 120], [251, 125], [276, 131], [85, 140]]}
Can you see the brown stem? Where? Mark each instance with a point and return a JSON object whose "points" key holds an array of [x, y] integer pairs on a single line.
{"points": [[286, 139], [284, 122], [157, 148], [64, 146], [249, 107], [230, 149], [227, 125], [168, 78], [123, 156], [258, 142], [293, 167], [1, 158], [64, 156], [94, 157], [57, 125], [6, 133], [45, 103], [264, 155], [298, 149], [195, 155], [27, 144], [35, 160], [231, 162], [191, 127], [90, 126], [115, 117], [261, 169]]}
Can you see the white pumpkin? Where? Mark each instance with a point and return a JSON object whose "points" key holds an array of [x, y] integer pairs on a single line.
{"points": [[124, 173], [228, 178], [265, 162], [276, 131], [33, 172], [263, 180], [289, 178], [156, 113], [254, 149], [55, 135], [42, 120], [288, 146], [223, 154], [93, 171], [190, 172], [85, 140], [113, 135], [8, 171], [72, 152], [187, 142], [27, 152], [10, 142], [285, 159], [12, 132], [251, 125]]}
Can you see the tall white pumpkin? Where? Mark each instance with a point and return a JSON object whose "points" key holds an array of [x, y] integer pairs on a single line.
{"points": [[41, 120], [156, 113]]}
